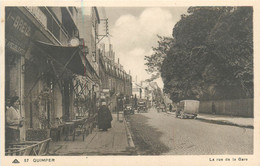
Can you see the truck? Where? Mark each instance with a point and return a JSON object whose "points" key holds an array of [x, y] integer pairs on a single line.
{"points": [[188, 109]]}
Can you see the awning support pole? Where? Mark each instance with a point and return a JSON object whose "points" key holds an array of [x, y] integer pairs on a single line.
{"points": [[37, 80], [58, 78], [64, 67]]}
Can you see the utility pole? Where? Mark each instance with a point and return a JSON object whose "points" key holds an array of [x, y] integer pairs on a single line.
{"points": [[106, 29]]}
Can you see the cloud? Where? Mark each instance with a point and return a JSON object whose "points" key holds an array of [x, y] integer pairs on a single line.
{"points": [[134, 61], [134, 37]]}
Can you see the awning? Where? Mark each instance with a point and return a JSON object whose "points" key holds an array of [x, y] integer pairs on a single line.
{"points": [[68, 56]]}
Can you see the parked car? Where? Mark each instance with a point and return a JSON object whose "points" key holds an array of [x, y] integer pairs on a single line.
{"points": [[161, 108], [128, 109], [187, 109], [141, 106]]}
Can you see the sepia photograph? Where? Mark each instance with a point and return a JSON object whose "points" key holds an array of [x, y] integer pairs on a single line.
{"points": [[128, 81]]}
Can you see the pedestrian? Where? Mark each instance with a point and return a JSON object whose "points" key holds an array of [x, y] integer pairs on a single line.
{"points": [[135, 103], [213, 108], [104, 117], [120, 104], [170, 108], [13, 121]]}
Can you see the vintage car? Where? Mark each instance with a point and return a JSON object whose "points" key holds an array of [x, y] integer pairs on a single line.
{"points": [[161, 108], [187, 109], [128, 110], [141, 106]]}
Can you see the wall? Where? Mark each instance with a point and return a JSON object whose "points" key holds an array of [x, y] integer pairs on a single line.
{"points": [[238, 107], [86, 30]]}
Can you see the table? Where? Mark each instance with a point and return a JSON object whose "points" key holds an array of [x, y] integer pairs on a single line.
{"points": [[69, 130], [56, 132]]}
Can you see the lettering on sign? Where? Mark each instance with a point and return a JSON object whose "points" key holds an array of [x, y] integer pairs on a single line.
{"points": [[15, 48], [22, 26]]}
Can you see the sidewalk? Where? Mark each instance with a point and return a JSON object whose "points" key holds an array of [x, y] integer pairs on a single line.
{"points": [[226, 120], [115, 141]]}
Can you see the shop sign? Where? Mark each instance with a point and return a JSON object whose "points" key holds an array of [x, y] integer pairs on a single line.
{"points": [[15, 47], [18, 32], [20, 25]]}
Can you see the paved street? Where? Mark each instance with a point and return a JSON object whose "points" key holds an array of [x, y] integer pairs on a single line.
{"points": [[161, 133]]}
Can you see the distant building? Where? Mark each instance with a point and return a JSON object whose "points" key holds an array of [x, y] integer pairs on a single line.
{"points": [[138, 90], [113, 77]]}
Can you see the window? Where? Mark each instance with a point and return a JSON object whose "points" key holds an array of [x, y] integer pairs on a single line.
{"points": [[71, 10], [53, 26]]}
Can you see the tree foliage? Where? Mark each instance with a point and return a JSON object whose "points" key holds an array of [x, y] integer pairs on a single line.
{"points": [[154, 62], [210, 55]]}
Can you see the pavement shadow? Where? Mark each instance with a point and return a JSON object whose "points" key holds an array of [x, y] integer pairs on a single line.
{"points": [[146, 138]]}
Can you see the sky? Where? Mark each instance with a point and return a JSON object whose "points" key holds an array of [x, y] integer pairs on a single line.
{"points": [[134, 32]]}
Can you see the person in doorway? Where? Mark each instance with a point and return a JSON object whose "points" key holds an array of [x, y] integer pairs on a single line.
{"points": [[104, 117], [13, 121]]}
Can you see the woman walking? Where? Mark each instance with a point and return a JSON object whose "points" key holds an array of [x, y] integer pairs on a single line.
{"points": [[104, 117]]}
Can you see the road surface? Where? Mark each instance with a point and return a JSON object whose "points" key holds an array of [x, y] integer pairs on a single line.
{"points": [[163, 134]]}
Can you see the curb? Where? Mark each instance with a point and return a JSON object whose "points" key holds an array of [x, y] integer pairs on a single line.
{"points": [[129, 136], [171, 113], [224, 122], [221, 122]]}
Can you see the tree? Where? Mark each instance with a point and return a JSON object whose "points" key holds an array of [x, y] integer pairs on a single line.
{"points": [[211, 55], [154, 62], [186, 61], [232, 39]]}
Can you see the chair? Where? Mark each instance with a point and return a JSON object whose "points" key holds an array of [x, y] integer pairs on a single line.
{"points": [[80, 127], [28, 148]]}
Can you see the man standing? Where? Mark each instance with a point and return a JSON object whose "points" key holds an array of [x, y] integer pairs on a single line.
{"points": [[104, 117], [170, 108]]}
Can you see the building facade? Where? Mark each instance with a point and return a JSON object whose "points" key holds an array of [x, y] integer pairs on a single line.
{"points": [[113, 77], [54, 64]]}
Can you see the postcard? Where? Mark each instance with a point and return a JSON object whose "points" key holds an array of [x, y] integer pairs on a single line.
{"points": [[132, 83]]}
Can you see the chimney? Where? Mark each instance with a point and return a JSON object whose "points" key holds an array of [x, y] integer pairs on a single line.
{"points": [[113, 56]]}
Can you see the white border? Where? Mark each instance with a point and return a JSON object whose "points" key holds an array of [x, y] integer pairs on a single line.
{"points": [[171, 160]]}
